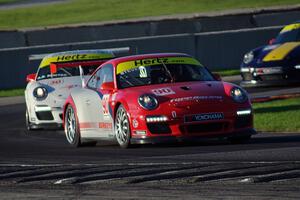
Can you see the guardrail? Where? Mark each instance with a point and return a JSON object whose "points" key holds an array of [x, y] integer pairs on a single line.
{"points": [[222, 49]]}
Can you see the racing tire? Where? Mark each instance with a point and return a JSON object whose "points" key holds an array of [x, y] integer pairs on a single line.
{"points": [[122, 128], [28, 125], [72, 130], [239, 139]]}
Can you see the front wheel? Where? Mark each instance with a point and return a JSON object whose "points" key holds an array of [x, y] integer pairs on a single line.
{"points": [[122, 128], [71, 127], [28, 124]]}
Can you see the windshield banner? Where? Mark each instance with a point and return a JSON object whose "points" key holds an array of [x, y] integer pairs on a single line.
{"points": [[74, 57], [125, 66]]}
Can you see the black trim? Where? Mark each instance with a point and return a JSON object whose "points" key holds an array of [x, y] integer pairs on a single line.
{"points": [[52, 126], [173, 139]]}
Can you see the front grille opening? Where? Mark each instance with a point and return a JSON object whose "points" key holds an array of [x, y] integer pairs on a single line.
{"points": [[44, 115], [247, 76], [271, 77], [203, 128], [243, 121], [159, 128]]}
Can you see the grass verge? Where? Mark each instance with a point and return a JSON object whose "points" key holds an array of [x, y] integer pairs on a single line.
{"points": [[12, 92], [278, 115], [82, 11], [9, 1], [227, 72]]}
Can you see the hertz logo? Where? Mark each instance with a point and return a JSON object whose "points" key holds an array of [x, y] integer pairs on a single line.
{"points": [[150, 61], [73, 57]]}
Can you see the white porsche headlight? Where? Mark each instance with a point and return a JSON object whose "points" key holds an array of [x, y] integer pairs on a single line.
{"points": [[40, 93], [248, 57], [238, 95]]}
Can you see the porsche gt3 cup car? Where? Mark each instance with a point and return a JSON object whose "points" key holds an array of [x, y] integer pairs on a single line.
{"points": [[154, 98], [57, 75], [275, 64]]}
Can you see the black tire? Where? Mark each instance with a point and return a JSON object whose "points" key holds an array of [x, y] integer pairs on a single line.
{"points": [[72, 130], [239, 139], [28, 124], [122, 128]]}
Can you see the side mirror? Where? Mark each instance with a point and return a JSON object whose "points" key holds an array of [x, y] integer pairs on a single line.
{"points": [[110, 86], [271, 41], [30, 77], [217, 76]]}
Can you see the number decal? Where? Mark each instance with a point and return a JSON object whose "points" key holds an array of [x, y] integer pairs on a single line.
{"points": [[105, 105], [143, 72]]}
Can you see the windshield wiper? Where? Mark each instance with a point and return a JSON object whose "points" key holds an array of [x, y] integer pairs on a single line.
{"points": [[168, 72]]}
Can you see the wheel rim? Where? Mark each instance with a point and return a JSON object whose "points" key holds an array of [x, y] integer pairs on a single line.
{"points": [[70, 125], [122, 126]]}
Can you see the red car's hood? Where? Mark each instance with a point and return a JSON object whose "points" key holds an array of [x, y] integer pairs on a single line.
{"points": [[182, 94]]}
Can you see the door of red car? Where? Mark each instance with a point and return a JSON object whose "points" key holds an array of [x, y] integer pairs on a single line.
{"points": [[97, 102]]}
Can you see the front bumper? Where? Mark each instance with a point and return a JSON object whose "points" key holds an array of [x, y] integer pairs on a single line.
{"points": [[262, 77], [174, 139], [49, 126], [265, 83], [46, 117]]}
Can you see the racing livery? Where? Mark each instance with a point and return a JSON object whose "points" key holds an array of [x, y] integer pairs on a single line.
{"points": [[57, 75], [153, 98], [275, 64]]}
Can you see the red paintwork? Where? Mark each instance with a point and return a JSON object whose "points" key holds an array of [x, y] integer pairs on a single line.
{"points": [[30, 77], [128, 98]]}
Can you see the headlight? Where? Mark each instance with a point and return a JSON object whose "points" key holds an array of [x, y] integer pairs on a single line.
{"points": [[148, 102], [238, 95], [248, 57], [40, 93]]}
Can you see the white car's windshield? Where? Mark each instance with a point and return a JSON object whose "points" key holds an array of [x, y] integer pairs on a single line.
{"points": [[45, 73]]}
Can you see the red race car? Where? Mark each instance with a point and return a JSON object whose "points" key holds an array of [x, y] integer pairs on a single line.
{"points": [[156, 98]]}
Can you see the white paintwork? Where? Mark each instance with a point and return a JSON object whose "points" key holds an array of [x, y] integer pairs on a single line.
{"points": [[89, 107], [58, 91]]}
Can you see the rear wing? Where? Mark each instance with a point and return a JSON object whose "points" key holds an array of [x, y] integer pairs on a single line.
{"points": [[117, 52]]}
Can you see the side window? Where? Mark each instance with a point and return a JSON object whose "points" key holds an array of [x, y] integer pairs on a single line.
{"points": [[103, 75], [106, 75], [93, 81]]}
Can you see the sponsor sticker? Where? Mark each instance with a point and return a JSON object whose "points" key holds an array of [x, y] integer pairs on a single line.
{"points": [[143, 72], [163, 91], [196, 98], [135, 123], [204, 117], [56, 82], [105, 125], [105, 105]]}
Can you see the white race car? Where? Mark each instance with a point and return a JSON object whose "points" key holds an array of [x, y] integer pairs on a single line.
{"points": [[57, 75]]}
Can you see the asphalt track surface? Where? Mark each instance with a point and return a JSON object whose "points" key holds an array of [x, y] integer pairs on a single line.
{"points": [[41, 165]]}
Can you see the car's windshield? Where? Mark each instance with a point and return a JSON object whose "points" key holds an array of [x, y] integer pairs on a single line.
{"points": [[162, 73], [45, 72], [288, 36]]}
